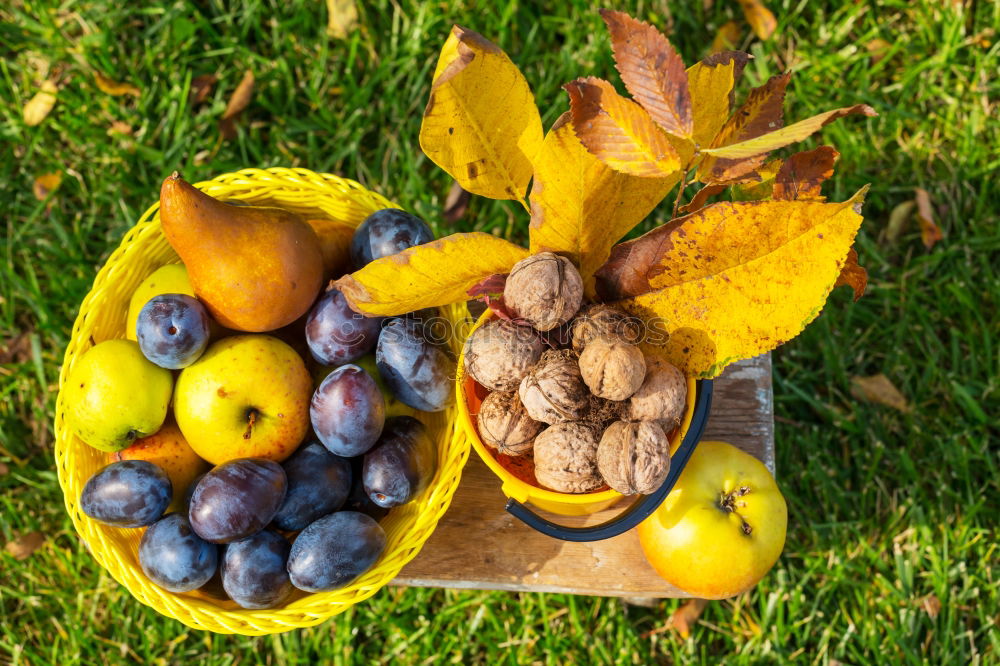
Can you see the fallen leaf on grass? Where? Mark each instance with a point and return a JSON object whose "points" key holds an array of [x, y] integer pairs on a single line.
{"points": [[342, 19], [201, 86], [878, 389], [877, 49], [239, 101], [4, 469], [118, 127], [39, 106], [46, 184], [801, 175], [22, 547], [456, 203], [759, 17], [929, 232], [17, 349], [931, 605], [898, 218], [115, 88], [727, 37], [684, 618]]}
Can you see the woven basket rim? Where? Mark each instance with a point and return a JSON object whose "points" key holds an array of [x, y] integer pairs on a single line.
{"points": [[297, 187]]}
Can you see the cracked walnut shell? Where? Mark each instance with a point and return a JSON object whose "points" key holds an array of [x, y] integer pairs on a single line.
{"points": [[634, 457], [544, 289], [566, 458]]}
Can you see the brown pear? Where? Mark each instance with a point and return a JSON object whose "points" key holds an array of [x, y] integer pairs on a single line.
{"points": [[255, 268]]}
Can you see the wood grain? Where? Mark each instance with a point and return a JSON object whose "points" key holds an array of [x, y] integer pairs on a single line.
{"points": [[478, 545]]}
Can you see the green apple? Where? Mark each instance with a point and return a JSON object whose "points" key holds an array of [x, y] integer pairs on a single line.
{"points": [[721, 528], [169, 279], [246, 397], [115, 396]]}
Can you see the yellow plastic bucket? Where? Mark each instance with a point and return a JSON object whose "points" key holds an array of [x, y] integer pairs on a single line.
{"points": [[470, 396]]}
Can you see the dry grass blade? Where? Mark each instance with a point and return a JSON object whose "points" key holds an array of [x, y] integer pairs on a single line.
{"points": [[652, 71], [929, 232], [239, 101], [618, 131], [115, 88], [802, 175]]}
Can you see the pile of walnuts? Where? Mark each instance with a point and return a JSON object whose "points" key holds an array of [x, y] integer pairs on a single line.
{"points": [[592, 409]]}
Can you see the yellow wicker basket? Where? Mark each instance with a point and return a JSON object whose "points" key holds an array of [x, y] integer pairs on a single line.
{"points": [[102, 316]]}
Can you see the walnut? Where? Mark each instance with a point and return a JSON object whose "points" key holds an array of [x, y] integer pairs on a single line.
{"points": [[544, 289], [566, 458], [662, 396], [554, 392], [505, 425], [634, 457], [605, 321], [499, 354], [611, 368]]}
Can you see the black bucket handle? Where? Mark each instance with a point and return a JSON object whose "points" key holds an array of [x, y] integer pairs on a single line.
{"points": [[640, 510]]}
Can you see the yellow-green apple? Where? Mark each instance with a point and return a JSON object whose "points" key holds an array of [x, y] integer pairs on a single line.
{"points": [[170, 451], [169, 279], [721, 528], [114, 395], [246, 397]]}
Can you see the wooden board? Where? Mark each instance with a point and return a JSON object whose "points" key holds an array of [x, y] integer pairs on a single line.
{"points": [[478, 545]]}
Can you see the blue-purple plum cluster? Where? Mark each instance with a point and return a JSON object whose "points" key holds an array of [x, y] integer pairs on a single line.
{"points": [[253, 530]]}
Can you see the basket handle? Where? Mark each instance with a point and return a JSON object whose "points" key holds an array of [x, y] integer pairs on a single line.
{"points": [[640, 510]]}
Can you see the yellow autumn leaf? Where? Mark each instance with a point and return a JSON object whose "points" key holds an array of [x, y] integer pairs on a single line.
{"points": [[710, 86], [580, 207], [39, 106], [481, 124], [786, 135], [734, 280], [111, 87], [433, 274], [726, 37], [759, 17]]}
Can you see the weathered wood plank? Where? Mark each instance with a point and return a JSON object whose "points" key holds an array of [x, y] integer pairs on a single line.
{"points": [[478, 545]]}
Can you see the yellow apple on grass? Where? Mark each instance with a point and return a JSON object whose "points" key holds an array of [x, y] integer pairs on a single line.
{"points": [[721, 528], [169, 279], [168, 449], [114, 395], [246, 397]]}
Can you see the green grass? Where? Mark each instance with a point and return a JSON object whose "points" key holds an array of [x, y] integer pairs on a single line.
{"points": [[888, 511]]}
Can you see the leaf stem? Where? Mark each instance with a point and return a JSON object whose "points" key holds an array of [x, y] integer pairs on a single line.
{"points": [[680, 192]]}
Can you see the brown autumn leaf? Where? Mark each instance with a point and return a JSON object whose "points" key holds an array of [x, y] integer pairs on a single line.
{"points": [[342, 18], [652, 71], [4, 469], [758, 185], [727, 37], [618, 131], [738, 58], [686, 616], [701, 198], [929, 232], [239, 100], [759, 17], [115, 88], [22, 547], [802, 175], [201, 86], [878, 389], [779, 138], [853, 275], [456, 203], [17, 349], [760, 114], [39, 106], [46, 184], [119, 127]]}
